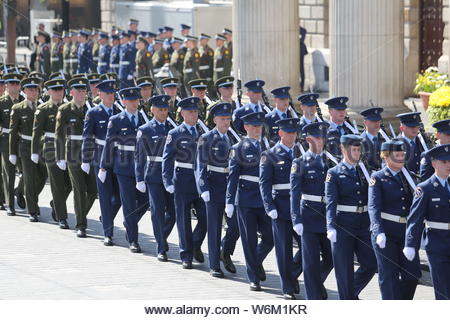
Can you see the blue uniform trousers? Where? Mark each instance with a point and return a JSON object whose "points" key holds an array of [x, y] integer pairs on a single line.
{"points": [[397, 276], [109, 198], [231, 235], [134, 205], [250, 221], [162, 210], [440, 273], [350, 282], [288, 269], [314, 246], [214, 213], [188, 239]]}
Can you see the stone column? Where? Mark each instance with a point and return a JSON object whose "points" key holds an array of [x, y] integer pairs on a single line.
{"points": [[108, 14], [366, 42], [266, 42]]}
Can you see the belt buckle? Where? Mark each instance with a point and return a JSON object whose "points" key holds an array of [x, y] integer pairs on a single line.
{"points": [[402, 220], [226, 170], [359, 209]]}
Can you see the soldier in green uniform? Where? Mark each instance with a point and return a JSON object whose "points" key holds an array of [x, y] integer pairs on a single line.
{"points": [[68, 140], [191, 63], [146, 84], [160, 57], [74, 53], [224, 87], [66, 52], [56, 53], [177, 58], [228, 34], [222, 58], [198, 89], [144, 61], [11, 97], [43, 147], [94, 80], [207, 63], [170, 87], [95, 48], [21, 126], [43, 55]]}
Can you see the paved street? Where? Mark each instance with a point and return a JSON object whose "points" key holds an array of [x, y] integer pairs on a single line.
{"points": [[41, 261]]}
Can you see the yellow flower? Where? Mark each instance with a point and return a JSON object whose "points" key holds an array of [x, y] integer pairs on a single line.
{"points": [[440, 98]]}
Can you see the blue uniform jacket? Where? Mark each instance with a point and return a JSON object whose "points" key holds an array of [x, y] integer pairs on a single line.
{"points": [[126, 61], [431, 203], [103, 59], [413, 156], [344, 188], [387, 194], [372, 151], [213, 150], [426, 169], [308, 177], [180, 146], [272, 127], [114, 59], [85, 59], [151, 138], [238, 124], [244, 161], [120, 144], [274, 170]]}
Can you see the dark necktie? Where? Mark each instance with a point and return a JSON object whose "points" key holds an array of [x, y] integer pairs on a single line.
{"points": [[109, 112], [375, 142], [291, 155], [447, 186], [256, 108], [352, 171], [258, 145], [283, 115], [413, 145], [133, 120], [193, 133]]}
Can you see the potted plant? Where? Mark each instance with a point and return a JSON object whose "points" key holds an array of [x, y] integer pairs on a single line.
{"points": [[439, 106], [428, 82]]}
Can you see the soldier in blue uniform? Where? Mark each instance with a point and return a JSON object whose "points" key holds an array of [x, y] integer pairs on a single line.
{"points": [[254, 92], [104, 54], [308, 210], [431, 205], [280, 111], [409, 127], [212, 172], [274, 184], [94, 134], [126, 62], [371, 137], [151, 139], [337, 107], [243, 192], [443, 137], [85, 59], [308, 105], [168, 40], [390, 199], [178, 176], [114, 55], [118, 156], [348, 221]]}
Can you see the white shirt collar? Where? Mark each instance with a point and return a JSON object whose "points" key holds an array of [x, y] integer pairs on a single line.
{"points": [[442, 181]]}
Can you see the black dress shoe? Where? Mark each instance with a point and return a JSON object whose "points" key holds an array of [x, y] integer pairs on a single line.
{"points": [[324, 293], [289, 296], [187, 265], [33, 217], [255, 286], [53, 212], [2, 206], [11, 212], [162, 257], [216, 273], [81, 233], [261, 273], [296, 287], [107, 241], [21, 200], [135, 248], [63, 224], [227, 262], [198, 255]]}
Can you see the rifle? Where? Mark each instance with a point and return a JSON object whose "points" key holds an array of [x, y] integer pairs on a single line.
{"points": [[291, 108], [265, 101], [423, 138], [239, 89], [318, 110]]}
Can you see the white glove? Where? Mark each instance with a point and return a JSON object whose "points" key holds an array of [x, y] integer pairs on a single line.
{"points": [[61, 164], [141, 186], [229, 210], [13, 159], [298, 228], [130, 77], [409, 253], [102, 175], [381, 240], [205, 196], [85, 167], [331, 235], [35, 158], [273, 214], [170, 189]]}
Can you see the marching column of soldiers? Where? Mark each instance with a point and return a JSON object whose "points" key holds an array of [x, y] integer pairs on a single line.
{"points": [[149, 123]]}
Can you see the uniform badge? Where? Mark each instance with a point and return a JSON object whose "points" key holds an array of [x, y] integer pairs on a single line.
{"points": [[232, 153], [149, 54], [169, 139], [226, 51], [37, 112], [372, 182], [201, 183], [110, 124], [328, 178], [294, 168], [418, 192], [139, 134], [263, 159], [423, 161]]}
